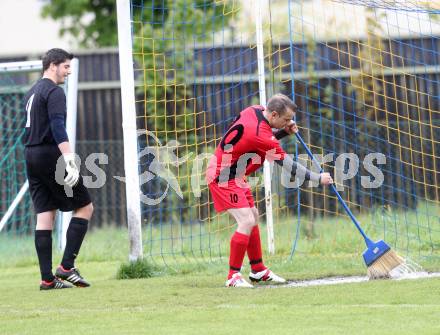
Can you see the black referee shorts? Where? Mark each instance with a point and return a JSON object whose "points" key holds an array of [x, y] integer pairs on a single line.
{"points": [[46, 193]]}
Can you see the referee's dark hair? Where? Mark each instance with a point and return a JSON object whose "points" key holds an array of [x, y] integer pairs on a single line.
{"points": [[55, 56], [281, 103]]}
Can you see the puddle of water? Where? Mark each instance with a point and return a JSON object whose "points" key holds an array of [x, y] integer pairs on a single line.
{"points": [[408, 270], [354, 279]]}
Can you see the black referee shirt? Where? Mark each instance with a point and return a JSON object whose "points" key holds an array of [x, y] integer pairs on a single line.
{"points": [[45, 106]]}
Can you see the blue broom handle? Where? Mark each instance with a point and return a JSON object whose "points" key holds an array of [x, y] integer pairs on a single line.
{"points": [[332, 186]]}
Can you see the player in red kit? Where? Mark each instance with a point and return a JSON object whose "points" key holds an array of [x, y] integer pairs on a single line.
{"points": [[242, 150]]}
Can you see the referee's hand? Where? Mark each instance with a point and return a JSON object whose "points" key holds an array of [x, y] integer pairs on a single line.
{"points": [[71, 169]]}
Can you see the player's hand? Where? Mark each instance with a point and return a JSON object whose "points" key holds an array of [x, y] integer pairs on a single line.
{"points": [[71, 169], [291, 127], [325, 178]]}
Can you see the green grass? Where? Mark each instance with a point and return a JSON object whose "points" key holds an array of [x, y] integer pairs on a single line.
{"points": [[196, 303], [187, 295]]}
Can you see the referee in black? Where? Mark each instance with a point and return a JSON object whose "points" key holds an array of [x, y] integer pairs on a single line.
{"points": [[45, 142]]}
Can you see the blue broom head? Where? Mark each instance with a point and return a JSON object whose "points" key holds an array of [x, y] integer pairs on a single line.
{"points": [[374, 251]]}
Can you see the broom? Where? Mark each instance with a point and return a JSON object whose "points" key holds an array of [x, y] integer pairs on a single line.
{"points": [[378, 256]]}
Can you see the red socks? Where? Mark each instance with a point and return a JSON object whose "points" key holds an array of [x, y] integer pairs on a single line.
{"points": [[239, 244], [254, 250]]}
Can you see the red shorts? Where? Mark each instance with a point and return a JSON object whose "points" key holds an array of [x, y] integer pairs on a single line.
{"points": [[230, 195]]}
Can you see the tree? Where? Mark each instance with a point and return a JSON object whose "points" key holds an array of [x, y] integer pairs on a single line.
{"points": [[91, 22], [164, 53]]}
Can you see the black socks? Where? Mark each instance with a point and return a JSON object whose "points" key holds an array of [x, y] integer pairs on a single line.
{"points": [[74, 237], [43, 245]]}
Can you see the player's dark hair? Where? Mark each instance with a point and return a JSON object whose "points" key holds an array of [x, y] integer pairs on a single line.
{"points": [[55, 56], [281, 103]]}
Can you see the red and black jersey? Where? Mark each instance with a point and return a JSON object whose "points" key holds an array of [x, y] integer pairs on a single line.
{"points": [[244, 147]]}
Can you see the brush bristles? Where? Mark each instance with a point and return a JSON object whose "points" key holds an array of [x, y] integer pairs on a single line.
{"points": [[382, 267]]}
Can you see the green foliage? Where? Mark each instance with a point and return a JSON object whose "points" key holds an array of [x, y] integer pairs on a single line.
{"points": [[166, 67], [137, 269], [92, 23], [164, 54]]}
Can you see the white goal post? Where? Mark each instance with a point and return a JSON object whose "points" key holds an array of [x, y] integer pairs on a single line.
{"points": [[132, 183], [71, 89], [262, 92]]}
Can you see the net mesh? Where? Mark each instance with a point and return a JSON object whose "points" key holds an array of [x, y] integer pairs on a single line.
{"points": [[13, 86], [365, 86]]}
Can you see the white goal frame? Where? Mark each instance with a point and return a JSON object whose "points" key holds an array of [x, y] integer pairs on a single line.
{"points": [[131, 157], [130, 135]]}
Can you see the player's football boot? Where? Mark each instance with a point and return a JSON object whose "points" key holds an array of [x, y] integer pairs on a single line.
{"points": [[54, 285], [266, 276], [237, 281], [72, 276]]}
